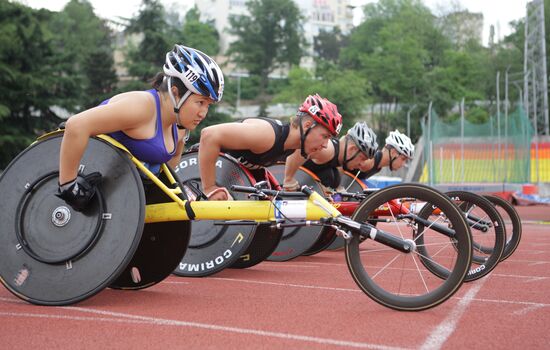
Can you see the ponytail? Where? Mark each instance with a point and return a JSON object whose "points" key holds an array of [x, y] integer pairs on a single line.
{"points": [[159, 83], [157, 80]]}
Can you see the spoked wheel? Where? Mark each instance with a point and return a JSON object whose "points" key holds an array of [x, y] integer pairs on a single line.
{"points": [[487, 231], [512, 224], [400, 280]]}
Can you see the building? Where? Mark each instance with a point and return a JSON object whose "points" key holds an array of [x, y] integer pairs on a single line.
{"points": [[319, 14], [462, 27]]}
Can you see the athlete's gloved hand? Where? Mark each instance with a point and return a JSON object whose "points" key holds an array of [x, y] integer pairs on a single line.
{"points": [[79, 192], [291, 186]]}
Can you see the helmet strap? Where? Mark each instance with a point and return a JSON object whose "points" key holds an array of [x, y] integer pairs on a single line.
{"points": [[346, 160], [177, 106], [391, 159], [303, 137]]}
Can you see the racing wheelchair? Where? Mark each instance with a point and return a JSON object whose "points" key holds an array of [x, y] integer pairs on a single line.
{"points": [[139, 224]]}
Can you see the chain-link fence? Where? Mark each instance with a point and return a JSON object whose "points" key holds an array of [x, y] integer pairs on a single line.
{"points": [[497, 151]]}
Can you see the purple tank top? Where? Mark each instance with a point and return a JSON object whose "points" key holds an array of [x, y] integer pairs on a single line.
{"points": [[153, 150]]}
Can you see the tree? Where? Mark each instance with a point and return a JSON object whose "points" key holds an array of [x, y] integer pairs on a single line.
{"points": [[327, 44], [200, 35], [269, 38], [30, 79], [147, 57], [396, 47], [342, 87], [84, 43]]}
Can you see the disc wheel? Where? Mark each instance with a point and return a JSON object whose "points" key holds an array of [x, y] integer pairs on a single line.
{"points": [[397, 279], [213, 246], [162, 245], [52, 254], [295, 241]]}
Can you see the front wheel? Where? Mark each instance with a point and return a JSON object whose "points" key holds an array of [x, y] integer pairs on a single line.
{"points": [[397, 279]]}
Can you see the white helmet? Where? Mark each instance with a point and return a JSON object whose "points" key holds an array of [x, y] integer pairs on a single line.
{"points": [[401, 142], [364, 138]]}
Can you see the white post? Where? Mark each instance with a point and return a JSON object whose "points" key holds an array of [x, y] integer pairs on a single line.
{"points": [[453, 167], [430, 144], [536, 126], [506, 160], [462, 136], [238, 104], [409, 120], [440, 164], [544, 73], [498, 124]]}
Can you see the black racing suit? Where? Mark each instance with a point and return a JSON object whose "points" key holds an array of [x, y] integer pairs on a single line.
{"points": [[327, 172], [257, 162]]}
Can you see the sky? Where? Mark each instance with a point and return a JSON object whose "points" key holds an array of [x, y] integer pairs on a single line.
{"points": [[496, 12]]}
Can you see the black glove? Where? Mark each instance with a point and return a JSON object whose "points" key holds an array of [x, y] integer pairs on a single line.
{"points": [[79, 192]]}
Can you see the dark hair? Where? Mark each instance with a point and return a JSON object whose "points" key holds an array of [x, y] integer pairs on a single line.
{"points": [[160, 84], [300, 116]]}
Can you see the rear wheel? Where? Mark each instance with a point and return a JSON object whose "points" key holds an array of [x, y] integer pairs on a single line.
{"points": [[512, 224], [487, 230]]}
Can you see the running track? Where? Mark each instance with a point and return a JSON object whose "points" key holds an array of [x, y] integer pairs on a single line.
{"points": [[310, 302]]}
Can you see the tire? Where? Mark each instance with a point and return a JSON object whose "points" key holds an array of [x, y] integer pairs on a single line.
{"points": [[67, 256], [487, 245], [396, 279], [512, 224]]}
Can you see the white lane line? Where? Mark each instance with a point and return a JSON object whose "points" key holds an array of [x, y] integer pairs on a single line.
{"points": [[280, 284], [312, 263], [446, 328], [527, 310], [279, 265], [535, 252], [528, 278], [526, 261], [500, 301], [128, 318], [72, 318]]}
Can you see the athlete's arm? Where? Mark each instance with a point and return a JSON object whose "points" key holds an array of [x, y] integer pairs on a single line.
{"points": [[127, 113], [292, 163], [257, 137]]}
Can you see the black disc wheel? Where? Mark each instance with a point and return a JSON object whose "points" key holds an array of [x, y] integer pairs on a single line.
{"points": [[295, 241], [52, 254], [213, 246], [162, 245]]}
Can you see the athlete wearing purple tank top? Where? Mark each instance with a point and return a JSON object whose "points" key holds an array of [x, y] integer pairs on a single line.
{"points": [[152, 150], [152, 124]]}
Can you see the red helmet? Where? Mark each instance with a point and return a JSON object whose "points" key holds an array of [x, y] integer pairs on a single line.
{"points": [[323, 112]]}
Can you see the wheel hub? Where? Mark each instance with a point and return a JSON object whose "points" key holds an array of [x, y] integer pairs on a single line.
{"points": [[61, 216]]}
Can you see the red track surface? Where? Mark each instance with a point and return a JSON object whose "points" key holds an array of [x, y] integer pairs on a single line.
{"points": [[309, 302]]}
